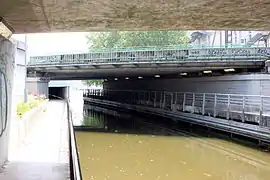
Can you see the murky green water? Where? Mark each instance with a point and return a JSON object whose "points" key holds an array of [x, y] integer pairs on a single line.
{"points": [[123, 156]]}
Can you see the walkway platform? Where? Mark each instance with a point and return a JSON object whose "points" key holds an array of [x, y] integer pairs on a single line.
{"points": [[247, 130], [45, 151]]}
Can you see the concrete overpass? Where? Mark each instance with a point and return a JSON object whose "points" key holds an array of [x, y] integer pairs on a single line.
{"points": [[73, 15], [147, 62]]}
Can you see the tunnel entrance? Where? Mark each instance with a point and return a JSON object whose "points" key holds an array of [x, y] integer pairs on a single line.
{"points": [[58, 93]]}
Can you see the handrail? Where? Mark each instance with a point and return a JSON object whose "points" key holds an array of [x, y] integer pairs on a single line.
{"points": [[74, 162], [129, 90], [154, 55], [246, 108], [75, 170]]}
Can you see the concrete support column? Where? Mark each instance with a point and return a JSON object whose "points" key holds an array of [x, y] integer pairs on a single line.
{"points": [[7, 59], [267, 66], [37, 86]]}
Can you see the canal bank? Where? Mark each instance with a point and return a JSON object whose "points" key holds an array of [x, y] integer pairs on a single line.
{"points": [[117, 145]]}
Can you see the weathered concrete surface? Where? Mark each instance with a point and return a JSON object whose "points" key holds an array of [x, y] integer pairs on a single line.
{"points": [[21, 127], [37, 86], [84, 15], [7, 59]]}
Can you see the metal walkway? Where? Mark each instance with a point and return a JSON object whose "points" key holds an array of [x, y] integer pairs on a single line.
{"points": [[248, 130]]}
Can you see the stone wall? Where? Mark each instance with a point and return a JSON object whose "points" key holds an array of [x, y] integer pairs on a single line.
{"points": [[7, 58]]}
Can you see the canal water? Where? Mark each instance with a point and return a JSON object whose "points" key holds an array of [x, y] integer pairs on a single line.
{"points": [[121, 146]]}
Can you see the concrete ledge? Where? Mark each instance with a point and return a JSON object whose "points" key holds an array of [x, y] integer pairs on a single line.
{"points": [[20, 128]]}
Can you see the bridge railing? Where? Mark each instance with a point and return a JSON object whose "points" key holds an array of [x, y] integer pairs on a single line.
{"points": [[253, 109], [157, 55]]}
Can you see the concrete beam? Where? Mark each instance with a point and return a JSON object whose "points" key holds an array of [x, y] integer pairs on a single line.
{"points": [[72, 15]]}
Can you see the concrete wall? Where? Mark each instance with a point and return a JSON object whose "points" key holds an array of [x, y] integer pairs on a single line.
{"points": [[253, 84], [18, 77], [70, 85], [7, 59], [41, 87], [37, 86]]}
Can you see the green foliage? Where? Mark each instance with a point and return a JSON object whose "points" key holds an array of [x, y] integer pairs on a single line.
{"points": [[118, 39], [22, 108], [94, 82]]}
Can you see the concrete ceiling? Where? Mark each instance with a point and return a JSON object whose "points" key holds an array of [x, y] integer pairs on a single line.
{"points": [[97, 15]]}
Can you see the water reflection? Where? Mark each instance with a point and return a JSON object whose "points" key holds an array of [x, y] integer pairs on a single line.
{"points": [[93, 119], [96, 120], [134, 149]]}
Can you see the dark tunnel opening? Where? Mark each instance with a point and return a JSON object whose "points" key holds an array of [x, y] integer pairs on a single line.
{"points": [[57, 93]]}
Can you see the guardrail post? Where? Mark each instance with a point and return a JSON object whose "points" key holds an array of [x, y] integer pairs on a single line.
{"points": [[149, 94], [215, 105], [175, 102], [171, 101], [261, 111], [160, 101], [155, 98], [144, 98], [164, 99], [243, 108], [203, 104], [135, 101], [228, 108], [184, 102], [141, 97], [193, 102]]}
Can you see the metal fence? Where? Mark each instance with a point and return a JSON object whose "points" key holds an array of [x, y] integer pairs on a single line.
{"points": [[152, 55], [244, 108], [75, 170]]}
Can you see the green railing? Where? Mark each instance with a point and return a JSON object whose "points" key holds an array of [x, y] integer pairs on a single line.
{"points": [[152, 54]]}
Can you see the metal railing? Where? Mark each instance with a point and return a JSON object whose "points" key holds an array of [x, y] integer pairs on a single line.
{"points": [[75, 170], [134, 48], [164, 54], [245, 108]]}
